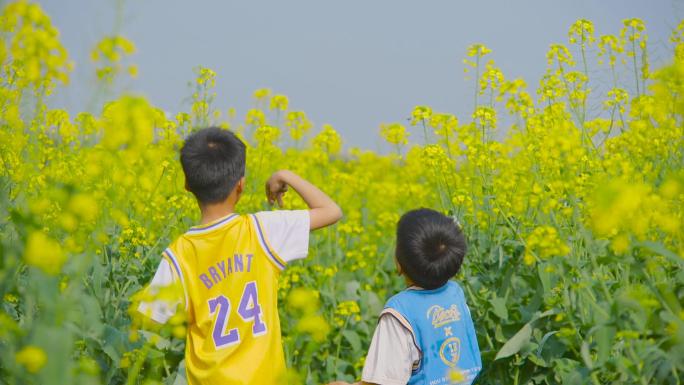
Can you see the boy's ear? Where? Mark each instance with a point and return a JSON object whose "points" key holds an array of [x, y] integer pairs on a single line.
{"points": [[240, 186]]}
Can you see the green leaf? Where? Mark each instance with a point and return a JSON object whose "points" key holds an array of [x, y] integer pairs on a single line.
{"points": [[353, 340], [659, 248], [515, 343], [113, 344], [544, 276], [180, 375], [351, 288], [57, 345], [586, 355], [159, 341], [544, 339], [538, 360], [604, 341], [521, 338], [330, 366], [499, 307], [544, 314]]}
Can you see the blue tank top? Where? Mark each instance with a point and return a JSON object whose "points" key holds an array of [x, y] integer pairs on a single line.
{"points": [[443, 331]]}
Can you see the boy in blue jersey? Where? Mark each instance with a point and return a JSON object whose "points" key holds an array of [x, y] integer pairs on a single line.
{"points": [[425, 334]]}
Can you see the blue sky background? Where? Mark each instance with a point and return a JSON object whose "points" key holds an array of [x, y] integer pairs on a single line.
{"points": [[353, 64]]}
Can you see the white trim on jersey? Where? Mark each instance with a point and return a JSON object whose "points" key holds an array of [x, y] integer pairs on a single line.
{"points": [[173, 259]]}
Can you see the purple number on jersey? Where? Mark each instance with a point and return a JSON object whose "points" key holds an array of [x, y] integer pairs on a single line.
{"points": [[220, 339], [249, 308]]}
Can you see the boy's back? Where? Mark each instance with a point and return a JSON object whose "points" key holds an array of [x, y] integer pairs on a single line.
{"points": [[440, 324], [230, 276], [226, 278]]}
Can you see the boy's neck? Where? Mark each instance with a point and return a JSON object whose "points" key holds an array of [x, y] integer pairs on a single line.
{"points": [[214, 211]]}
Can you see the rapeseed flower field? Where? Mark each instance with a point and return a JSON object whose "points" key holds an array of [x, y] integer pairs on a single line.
{"points": [[572, 199]]}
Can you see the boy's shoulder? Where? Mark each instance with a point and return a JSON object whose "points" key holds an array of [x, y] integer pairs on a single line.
{"points": [[414, 295], [284, 233], [426, 308], [261, 217], [280, 223], [279, 214]]}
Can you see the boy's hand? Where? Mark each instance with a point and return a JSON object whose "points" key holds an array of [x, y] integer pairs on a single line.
{"points": [[323, 211], [276, 187]]}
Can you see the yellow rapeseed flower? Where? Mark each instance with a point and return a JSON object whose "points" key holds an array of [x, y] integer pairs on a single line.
{"points": [[279, 102], [267, 134], [84, 206], [32, 358], [478, 50], [394, 133], [262, 93], [314, 325], [44, 253], [304, 300], [328, 140], [582, 32], [544, 242], [420, 114]]}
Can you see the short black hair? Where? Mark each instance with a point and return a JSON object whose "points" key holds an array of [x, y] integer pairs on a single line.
{"points": [[430, 247], [213, 161]]}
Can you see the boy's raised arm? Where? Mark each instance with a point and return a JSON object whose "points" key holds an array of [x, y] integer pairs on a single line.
{"points": [[323, 211]]}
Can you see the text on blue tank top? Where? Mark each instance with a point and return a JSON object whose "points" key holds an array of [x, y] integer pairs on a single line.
{"points": [[444, 332]]}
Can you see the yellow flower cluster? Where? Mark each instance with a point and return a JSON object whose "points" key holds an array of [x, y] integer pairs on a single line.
{"points": [[582, 32], [298, 124], [348, 308], [32, 358], [44, 253], [543, 242], [328, 140], [112, 49], [279, 102], [267, 134], [206, 77], [478, 50], [33, 57], [306, 303], [108, 54], [623, 210], [129, 124], [420, 113], [394, 133], [345, 311]]}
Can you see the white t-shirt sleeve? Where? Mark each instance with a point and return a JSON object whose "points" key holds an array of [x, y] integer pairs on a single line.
{"points": [[392, 354], [160, 310], [287, 231]]}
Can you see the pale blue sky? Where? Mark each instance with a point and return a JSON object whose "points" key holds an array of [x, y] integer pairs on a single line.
{"points": [[353, 64]]}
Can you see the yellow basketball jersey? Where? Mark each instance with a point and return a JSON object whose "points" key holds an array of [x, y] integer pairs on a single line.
{"points": [[230, 277]]}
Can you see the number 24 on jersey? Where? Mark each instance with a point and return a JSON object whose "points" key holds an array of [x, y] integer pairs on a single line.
{"points": [[248, 309]]}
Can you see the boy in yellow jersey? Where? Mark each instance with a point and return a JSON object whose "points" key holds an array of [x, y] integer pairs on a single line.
{"points": [[228, 265]]}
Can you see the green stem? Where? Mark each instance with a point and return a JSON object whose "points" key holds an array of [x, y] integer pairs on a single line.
{"points": [[425, 135], [135, 370], [636, 72], [339, 341], [517, 374], [448, 144], [477, 81], [586, 74]]}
